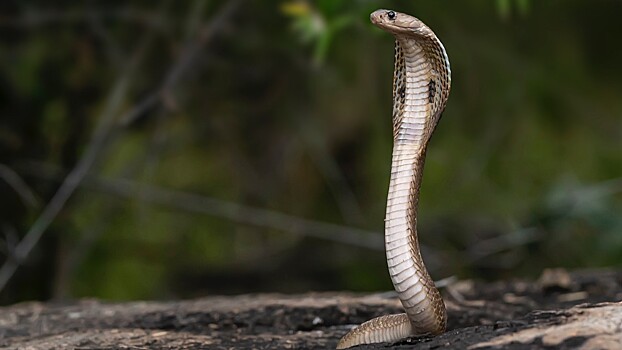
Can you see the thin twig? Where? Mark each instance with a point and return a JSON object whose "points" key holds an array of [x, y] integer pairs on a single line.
{"points": [[19, 186], [7, 245], [102, 133], [75, 177], [70, 184], [240, 213], [112, 47], [228, 210], [189, 54]]}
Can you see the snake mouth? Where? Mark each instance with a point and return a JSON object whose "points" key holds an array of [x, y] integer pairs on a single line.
{"points": [[380, 18], [376, 16]]}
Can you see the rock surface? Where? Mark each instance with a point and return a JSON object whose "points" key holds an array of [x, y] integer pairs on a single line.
{"points": [[579, 310]]}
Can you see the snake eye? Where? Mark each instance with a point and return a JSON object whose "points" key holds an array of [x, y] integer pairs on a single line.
{"points": [[391, 15]]}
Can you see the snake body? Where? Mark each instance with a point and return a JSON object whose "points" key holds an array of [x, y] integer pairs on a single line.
{"points": [[421, 85]]}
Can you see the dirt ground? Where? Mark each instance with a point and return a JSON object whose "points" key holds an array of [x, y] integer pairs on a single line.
{"points": [[578, 310]]}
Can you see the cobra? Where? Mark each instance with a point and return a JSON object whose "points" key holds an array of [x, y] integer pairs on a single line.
{"points": [[421, 84]]}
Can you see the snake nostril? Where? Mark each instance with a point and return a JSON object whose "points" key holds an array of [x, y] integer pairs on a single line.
{"points": [[391, 14]]}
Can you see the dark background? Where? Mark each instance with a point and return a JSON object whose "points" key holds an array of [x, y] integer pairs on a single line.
{"points": [[172, 149]]}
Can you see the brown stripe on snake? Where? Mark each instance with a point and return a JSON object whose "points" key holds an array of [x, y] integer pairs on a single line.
{"points": [[421, 84]]}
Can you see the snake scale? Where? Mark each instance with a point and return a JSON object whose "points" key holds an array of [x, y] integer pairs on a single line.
{"points": [[421, 84]]}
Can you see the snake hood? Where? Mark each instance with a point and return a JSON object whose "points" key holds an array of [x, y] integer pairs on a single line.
{"points": [[404, 26]]}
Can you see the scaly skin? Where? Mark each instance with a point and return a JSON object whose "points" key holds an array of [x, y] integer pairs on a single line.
{"points": [[421, 85]]}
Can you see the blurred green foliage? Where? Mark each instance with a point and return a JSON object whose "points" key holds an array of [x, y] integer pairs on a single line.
{"points": [[284, 114]]}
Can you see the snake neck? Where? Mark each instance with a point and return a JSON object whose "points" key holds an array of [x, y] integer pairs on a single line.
{"points": [[415, 114], [411, 112]]}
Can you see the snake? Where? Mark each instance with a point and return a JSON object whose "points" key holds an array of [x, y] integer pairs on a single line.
{"points": [[421, 84]]}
